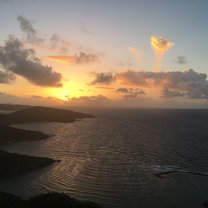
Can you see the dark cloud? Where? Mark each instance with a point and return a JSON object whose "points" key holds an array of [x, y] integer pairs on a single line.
{"points": [[6, 77], [21, 61], [97, 100], [56, 42], [83, 57], [122, 90], [36, 96], [103, 79], [130, 93], [180, 60], [27, 27], [167, 93], [190, 83], [105, 88], [131, 77], [197, 89]]}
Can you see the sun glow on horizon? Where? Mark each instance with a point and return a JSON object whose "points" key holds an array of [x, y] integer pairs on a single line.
{"points": [[69, 90]]}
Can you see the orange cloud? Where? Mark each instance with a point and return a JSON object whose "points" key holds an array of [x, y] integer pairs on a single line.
{"points": [[81, 58], [189, 84], [61, 59], [160, 45]]}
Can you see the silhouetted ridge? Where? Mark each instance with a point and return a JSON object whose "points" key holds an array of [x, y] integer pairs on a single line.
{"points": [[13, 107], [12, 134], [48, 200], [44, 114], [12, 164]]}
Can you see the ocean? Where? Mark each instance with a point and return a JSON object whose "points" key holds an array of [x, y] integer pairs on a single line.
{"points": [[122, 158]]}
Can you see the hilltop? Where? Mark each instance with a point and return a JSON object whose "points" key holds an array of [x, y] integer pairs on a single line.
{"points": [[41, 114]]}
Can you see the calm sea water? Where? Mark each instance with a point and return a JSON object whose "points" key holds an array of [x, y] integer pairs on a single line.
{"points": [[112, 159]]}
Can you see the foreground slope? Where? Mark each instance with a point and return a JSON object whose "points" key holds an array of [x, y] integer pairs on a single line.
{"points": [[12, 164], [48, 200]]}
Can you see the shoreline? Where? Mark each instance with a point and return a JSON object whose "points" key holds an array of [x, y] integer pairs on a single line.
{"points": [[13, 163]]}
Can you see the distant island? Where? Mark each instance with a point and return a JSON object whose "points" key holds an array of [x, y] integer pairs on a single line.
{"points": [[40, 114]]}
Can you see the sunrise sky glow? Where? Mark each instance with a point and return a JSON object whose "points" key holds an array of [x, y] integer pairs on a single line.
{"points": [[117, 53]]}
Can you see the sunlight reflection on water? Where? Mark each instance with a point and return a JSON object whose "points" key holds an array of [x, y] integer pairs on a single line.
{"points": [[111, 160]]}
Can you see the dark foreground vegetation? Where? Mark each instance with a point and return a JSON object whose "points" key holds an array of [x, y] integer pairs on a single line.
{"points": [[10, 134], [48, 200], [12, 164]]}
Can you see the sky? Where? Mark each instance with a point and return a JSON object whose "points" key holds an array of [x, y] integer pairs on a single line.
{"points": [[113, 53]]}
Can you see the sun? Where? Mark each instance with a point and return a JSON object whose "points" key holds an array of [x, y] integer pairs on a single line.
{"points": [[69, 90]]}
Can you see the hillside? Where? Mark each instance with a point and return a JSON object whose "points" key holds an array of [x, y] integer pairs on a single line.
{"points": [[43, 114], [10, 134], [47, 200], [12, 164]]}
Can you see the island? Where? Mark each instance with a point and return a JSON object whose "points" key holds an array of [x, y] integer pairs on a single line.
{"points": [[41, 114]]}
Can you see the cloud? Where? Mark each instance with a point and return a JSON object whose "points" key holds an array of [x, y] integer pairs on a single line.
{"points": [[180, 60], [167, 93], [81, 58], [160, 43], [103, 79], [6, 77], [27, 28], [97, 100], [105, 88], [131, 77], [130, 93], [37, 96], [189, 84], [122, 90], [21, 61], [49, 99], [33, 100], [56, 42], [90, 98]]}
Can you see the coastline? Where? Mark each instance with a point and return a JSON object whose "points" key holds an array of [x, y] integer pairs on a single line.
{"points": [[12, 164]]}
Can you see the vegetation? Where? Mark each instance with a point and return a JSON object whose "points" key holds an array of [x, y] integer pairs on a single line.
{"points": [[12, 164], [48, 200], [42, 114], [10, 134]]}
